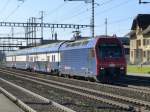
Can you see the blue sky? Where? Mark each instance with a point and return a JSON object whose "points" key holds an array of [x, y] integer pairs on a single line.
{"points": [[120, 14]]}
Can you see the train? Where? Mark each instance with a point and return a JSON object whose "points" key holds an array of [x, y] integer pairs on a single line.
{"points": [[101, 58]]}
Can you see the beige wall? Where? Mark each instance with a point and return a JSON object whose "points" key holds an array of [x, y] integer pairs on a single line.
{"points": [[139, 48]]}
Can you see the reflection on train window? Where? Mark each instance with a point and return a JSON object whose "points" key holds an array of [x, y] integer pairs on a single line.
{"points": [[31, 59], [68, 45], [53, 58], [74, 44], [110, 51], [48, 58], [85, 42], [35, 59]]}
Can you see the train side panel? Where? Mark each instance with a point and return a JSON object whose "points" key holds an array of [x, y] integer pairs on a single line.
{"points": [[46, 62], [20, 61], [78, 62], [10, 61]]}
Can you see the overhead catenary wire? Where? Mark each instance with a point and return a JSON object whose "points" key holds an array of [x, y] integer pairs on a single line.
{"points": [[61, 6], [113, 7], [73, 10], [121, 20], [117, 21], [13, 11], [117, 29], [109, 9], [106, 2], [5, 6], [58, 8], [55, 9], [85, 11]]}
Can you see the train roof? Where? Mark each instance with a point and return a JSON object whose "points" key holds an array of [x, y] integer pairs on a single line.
{"points": [[86, 43], [65, 45], [38, 49]]}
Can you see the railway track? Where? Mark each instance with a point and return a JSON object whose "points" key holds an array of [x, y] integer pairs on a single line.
{"points": [[138, 80], [122, 102], [22, 106], [142, 93], [29, 101], [81, 94]]}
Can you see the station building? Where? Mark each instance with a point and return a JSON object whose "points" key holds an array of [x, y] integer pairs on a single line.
{"points": [[140, 40]]}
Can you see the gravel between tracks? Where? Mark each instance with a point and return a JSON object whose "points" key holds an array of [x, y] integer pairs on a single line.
{"points": [[36, 104], [73, 101], [122, 91]]}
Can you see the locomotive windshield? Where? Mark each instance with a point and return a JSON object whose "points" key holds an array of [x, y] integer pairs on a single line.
{"points": [[110, 51]]}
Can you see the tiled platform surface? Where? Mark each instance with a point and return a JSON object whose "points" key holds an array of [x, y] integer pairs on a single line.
{"points": [[7, 106]]}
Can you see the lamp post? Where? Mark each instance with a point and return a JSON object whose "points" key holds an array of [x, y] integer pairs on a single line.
{"points": [[93, 15]]}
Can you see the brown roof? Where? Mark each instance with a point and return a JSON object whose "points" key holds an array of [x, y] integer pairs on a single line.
{"points": [[143, 20]]}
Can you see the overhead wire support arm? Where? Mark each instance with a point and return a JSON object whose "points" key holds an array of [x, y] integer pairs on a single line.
{"points": [[18, 38], [45, 25], [143, 2]]}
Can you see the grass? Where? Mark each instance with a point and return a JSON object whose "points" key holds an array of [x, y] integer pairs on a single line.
{"points": [[136, 69]]}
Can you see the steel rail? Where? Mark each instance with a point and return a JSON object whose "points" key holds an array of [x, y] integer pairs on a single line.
{"points": [[117, 104], [18, 102], [39, 96], [138, 89]]}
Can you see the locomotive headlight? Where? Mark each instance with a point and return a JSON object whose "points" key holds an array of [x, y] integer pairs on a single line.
{"points": [[121, 68], [102, 68]]}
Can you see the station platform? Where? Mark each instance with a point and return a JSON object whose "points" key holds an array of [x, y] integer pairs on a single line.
{"points": [[7, 106]]}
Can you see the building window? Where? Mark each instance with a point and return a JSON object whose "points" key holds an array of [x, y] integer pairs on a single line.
{"points": [[148, 42], [53, 58], [144, 53], [148, 55], [139, 42], [31, 59], [144, 42], [35, 58], [48, 58], [132, 54]]}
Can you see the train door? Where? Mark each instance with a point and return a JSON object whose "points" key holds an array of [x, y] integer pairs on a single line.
{"points": [[91, 62], [31, 62], [27, 61], [14, 61], [47, 65]]}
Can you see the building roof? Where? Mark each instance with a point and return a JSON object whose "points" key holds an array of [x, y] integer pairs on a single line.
{"points": [[124, 40], [143, 20]]}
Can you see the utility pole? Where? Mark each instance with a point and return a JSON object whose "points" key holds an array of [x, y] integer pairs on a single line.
{"points": [[30, 30], [93, 19], [42, 17], [12, 35], [106, 27], [93, 14], [12, 32], [34, 31]]}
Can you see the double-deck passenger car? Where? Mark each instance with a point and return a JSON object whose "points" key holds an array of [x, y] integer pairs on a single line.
{"points": [[101, 58]]}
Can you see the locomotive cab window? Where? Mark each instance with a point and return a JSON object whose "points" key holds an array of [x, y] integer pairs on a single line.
{"points": [[31, 59], [48, 58], [109, 51], [53, 58]]}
